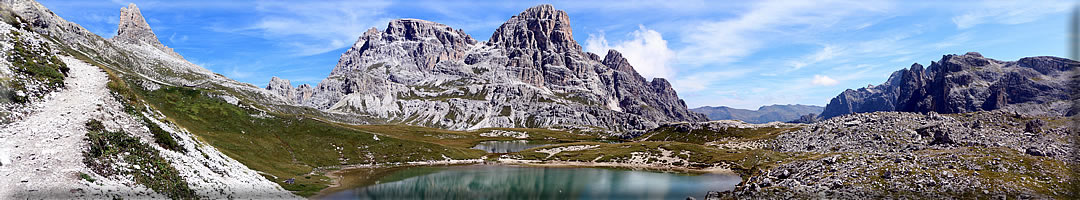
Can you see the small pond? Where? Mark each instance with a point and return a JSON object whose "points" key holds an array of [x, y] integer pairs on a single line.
{"points": [[508, 146], [517, 182]]}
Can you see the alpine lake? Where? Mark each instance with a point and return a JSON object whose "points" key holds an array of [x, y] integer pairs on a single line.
{"points": [[504, 181]]}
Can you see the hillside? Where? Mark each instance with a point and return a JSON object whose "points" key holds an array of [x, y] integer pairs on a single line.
{"points": [[76, 131]]}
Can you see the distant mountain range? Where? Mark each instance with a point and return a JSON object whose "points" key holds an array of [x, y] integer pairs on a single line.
{"points": [[764, 114]]}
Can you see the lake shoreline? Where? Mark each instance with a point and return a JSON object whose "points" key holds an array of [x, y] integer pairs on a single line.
{"points": [[337, 174], [645, 167]]}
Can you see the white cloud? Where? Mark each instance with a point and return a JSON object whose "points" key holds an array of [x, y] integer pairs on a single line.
{"points": [[823, 80], [720, 42], [174, 40], [647, 51], [827, 52], [701, 81], [1009, 12], [597, 44], [633, 5], [954, 40], [848, 55], [237, 72], [317, 27]]}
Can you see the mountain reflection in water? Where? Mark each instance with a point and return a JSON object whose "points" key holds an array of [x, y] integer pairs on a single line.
{"points": [[507, 146], [513, 182]]}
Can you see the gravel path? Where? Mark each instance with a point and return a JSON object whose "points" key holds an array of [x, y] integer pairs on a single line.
{"points": [[41, 155]]}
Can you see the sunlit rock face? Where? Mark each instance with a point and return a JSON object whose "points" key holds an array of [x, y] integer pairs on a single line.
{"points": [[967, 83], [531, 73], [133, 29]]}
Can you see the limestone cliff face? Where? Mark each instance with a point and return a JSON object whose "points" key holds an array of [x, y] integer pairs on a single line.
{"points": [[423, 44], [541, 28], [531, 73], [538, 36], [133, 27], [967, 83]]}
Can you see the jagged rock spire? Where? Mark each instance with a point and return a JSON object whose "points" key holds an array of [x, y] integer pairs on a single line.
{"points": [[133, 27], [284, 88], [615, 60]]}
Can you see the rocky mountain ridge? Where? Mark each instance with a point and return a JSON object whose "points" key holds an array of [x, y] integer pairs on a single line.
{"points": [[764, 114], [531, 73], [967, 83]]}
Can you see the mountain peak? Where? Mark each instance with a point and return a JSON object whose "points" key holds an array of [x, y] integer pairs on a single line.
{"points": [[133, 27], [416, 42], [409, 26], [540, 27], [531, 72], [413, 29], [616, 61]]}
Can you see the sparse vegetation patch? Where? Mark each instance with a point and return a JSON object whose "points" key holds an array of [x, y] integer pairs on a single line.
{"points": [[117, 154]]}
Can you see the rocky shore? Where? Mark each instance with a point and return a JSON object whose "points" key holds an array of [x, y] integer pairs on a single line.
{"points": [[993, 154]]}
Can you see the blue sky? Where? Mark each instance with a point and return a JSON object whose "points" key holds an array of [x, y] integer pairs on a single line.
{"points": [[741, 54]]}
